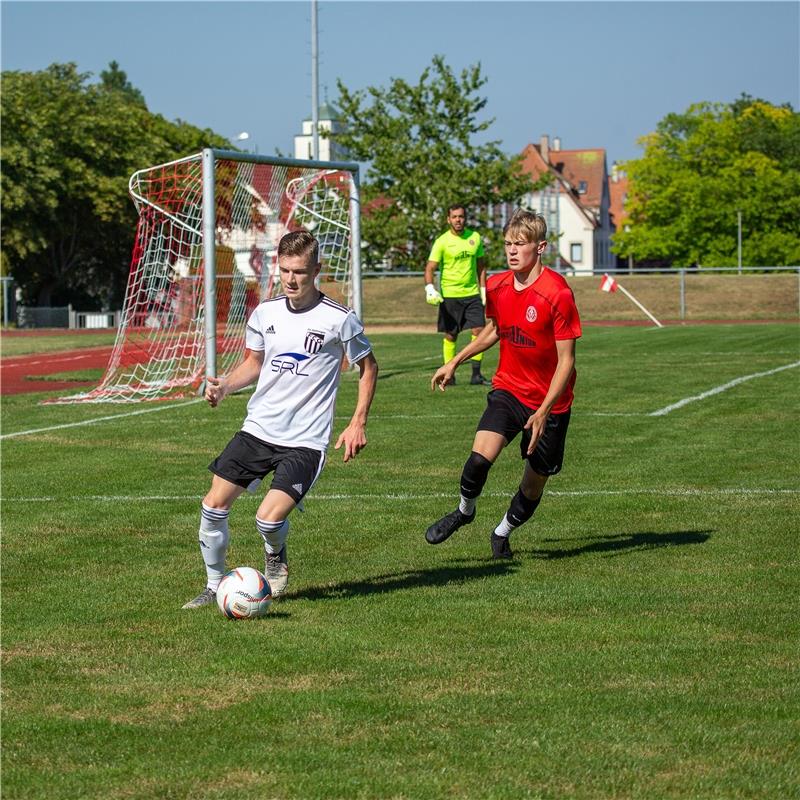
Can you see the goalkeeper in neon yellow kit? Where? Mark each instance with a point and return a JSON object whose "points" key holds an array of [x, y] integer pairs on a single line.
{"points": [[459, 253]]}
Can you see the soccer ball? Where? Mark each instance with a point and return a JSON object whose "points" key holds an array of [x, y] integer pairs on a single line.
{"points": [[244, 593]]}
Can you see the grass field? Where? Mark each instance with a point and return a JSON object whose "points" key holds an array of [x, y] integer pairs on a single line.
{"points": [[643, 644]]}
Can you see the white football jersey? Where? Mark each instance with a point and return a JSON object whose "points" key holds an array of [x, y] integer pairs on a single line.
{"points": [[295, 399]]}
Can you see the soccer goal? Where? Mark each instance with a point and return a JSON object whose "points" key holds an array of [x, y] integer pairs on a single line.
{"points": [[205, 255]]}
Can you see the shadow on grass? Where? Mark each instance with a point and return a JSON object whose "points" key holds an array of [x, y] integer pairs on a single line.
{"points": [[619, 543], [409, 579]]}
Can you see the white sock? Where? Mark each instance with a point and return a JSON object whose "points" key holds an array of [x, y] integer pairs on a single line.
{"points": [[214, 538], [274, 534], [504, 528], [466, 505]]}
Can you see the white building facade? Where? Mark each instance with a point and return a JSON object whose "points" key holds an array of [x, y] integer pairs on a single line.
{"points": [[328, 125]]}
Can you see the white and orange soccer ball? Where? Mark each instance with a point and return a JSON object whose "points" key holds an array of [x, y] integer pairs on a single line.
{"points": [[244, 593]]}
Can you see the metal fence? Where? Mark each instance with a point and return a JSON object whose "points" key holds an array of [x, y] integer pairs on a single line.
{"points": [[63, 317], [767, 293]]}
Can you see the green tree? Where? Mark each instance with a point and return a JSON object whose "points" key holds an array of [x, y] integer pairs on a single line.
{"points": [[700, 169], [68, 149], [114, 79], [419, 144]]}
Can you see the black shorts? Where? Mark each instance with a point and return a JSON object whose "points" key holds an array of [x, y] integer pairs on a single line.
{"points": [[247, 460], [507, 416], [458, 313]]}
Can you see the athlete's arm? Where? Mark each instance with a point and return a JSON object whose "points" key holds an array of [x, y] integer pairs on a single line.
{"points": [[430, 268], [564, 369], [481, 269], [432, 296], [354, 436], [246, 373], [487, 338]]}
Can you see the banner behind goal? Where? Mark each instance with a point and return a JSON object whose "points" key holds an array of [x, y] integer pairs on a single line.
{"points": [[205, 255]]}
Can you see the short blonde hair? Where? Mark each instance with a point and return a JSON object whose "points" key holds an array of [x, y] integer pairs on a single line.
{"points": [[528, 224], [300, 243]]}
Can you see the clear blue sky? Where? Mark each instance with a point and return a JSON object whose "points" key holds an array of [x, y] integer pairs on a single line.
{"points": [[597, 74]]}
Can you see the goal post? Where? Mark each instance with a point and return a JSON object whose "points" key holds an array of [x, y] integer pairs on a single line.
{"points": [[205, 255]]}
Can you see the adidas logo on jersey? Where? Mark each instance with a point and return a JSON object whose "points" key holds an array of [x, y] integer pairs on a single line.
{"points": [[298, 487], [271, 329]]}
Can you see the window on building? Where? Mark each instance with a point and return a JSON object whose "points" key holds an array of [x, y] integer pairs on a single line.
{"points": [[582, 187], [576, 252]]}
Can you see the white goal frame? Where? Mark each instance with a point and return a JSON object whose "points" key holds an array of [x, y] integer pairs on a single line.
{"points": [[210, 156], [175, 330]]}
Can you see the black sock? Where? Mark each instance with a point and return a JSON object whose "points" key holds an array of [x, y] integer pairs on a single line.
{"points": [[521, 509]]}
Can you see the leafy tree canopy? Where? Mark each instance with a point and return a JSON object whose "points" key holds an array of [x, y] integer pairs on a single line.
{"points": [[114, 79], [702, 167], [418, 141], [68, 149]]}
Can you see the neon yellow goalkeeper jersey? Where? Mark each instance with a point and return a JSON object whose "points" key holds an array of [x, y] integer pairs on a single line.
{"points": [[457, 257]]}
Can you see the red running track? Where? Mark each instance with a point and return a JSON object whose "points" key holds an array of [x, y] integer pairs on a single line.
{"points": [[18, 373]]}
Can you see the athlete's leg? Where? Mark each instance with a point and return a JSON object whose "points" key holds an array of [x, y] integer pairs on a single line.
{"points": [[213, 535], [477, 378], [524, 502], [296, 471], [545, 461], [486, 446], [485, 449], [448, 347]]}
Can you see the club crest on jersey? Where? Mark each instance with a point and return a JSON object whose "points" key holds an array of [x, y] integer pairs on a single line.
{"points": [[530, 314], [314, 341]]}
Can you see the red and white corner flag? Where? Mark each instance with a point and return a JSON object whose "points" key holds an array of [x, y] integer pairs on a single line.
{"points": [[608, 284]]}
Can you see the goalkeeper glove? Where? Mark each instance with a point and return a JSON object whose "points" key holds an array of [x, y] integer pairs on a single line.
{"points": [[431, 295]]}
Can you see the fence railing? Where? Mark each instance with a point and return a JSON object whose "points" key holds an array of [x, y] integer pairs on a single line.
{"points": [[63, 317]]}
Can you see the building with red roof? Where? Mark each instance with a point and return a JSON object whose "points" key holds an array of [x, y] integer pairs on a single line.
{"points": [[576, 204]]}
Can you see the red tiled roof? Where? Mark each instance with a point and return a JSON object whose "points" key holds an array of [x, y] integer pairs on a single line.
{"points": [[582, 165], [573, 166]]}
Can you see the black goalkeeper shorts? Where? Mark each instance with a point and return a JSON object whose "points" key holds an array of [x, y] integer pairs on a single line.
{"points": [[459, 313]]}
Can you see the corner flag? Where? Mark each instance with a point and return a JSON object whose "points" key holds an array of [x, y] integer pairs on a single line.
{"points": [[609, 284]]}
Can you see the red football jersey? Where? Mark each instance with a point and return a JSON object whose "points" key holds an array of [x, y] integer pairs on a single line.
{"points": [[529, 322]]}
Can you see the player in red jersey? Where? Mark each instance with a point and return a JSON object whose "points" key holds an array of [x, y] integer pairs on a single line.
{"points": [[531, 312]]}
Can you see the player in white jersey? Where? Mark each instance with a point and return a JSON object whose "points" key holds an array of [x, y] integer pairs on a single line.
{"points": [[295, 345]]}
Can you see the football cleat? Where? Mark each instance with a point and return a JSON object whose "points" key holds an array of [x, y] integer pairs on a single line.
{"points": [[206, 598], [276, 568], [501, 546], [478, 380], [447, 526]]}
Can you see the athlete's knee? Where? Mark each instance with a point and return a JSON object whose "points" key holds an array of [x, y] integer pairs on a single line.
{"points": [[214, 502], [532, 484], [474, 475], [221, 501]]}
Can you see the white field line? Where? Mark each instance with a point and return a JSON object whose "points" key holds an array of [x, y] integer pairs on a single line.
{"points": [[722, 388], [63, 360], [677, 492], [338, 416], [99, 419]]}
